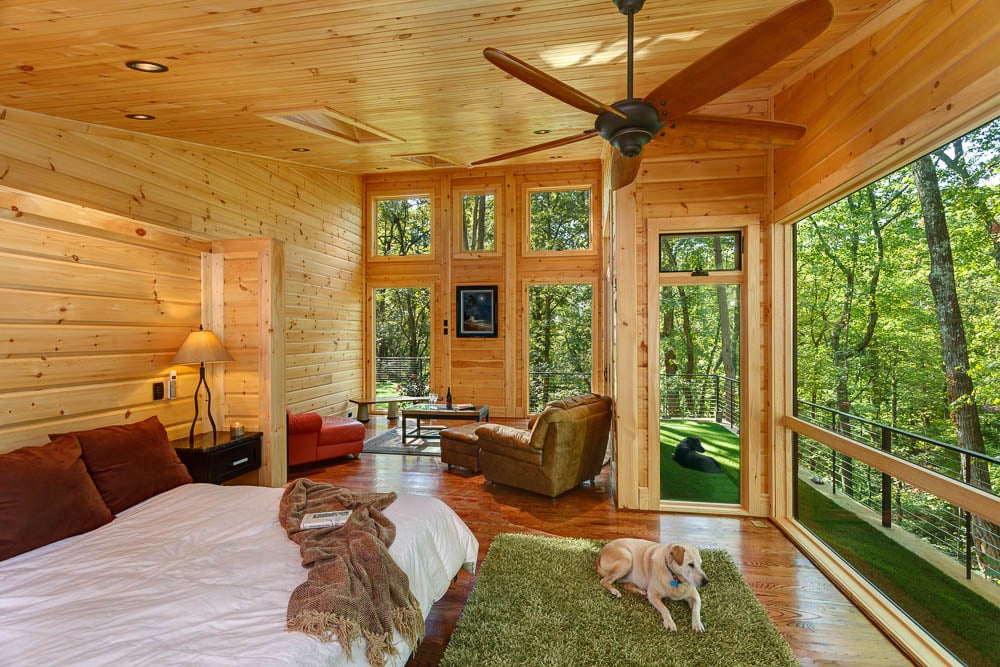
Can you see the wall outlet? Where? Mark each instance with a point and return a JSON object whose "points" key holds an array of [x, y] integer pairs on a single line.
{"points": [[350, 414], [157, 391], [172, 385]]}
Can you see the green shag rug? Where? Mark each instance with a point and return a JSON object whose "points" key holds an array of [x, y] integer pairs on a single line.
{"points": [[539, 602]]}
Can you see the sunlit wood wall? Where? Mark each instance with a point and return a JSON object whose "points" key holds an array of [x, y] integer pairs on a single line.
{"points": [[490, 371], [107, 300]]}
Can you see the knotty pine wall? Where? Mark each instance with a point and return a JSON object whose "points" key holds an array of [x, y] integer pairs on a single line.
{"points": [[485, 370], [93, 304]]}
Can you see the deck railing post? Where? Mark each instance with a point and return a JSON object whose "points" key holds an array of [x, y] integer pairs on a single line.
{"points": [[967, 474], [886, 481]]}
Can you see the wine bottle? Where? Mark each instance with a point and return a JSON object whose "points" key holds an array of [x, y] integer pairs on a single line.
{"points": [[447, 399]]}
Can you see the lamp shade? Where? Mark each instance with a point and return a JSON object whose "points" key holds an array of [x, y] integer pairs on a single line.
{"points": [[201, 347]]}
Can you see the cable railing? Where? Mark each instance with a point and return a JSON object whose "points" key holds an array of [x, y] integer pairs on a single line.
{"points": [[700, 396], [950, 529], [546, 386], [401, 369]]}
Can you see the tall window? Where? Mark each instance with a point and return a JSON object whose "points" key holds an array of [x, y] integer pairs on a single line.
{"points": [[402, 340], [478, 222], [560, 342], [559, 219], [402, 226], [898, 331]]}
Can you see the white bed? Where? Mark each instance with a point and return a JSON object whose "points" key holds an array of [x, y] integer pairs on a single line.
{"points": [[199, 575]]}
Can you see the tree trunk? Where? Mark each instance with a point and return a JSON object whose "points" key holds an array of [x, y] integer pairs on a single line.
{"points": [[964, 411]]}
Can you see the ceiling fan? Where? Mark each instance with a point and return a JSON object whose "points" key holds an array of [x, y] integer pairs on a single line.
{"points": [[631, 123]]}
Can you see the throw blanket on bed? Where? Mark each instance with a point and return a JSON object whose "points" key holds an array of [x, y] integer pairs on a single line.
{"points": [[354, 588]]}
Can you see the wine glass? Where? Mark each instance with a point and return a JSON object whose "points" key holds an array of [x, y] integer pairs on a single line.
{"points": [[433, 397]]}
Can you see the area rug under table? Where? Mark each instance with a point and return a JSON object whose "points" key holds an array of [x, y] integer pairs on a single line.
{"points": [[538, 601], [391, 442]]}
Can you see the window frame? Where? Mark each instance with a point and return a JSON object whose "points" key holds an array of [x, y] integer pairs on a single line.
{"points": [[458, 196], [372, 226]]}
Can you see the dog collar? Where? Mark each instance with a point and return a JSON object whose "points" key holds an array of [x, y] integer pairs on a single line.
{"points": [[675, 583]]}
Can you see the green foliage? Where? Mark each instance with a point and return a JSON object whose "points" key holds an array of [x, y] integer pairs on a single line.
{"points": [[867, 336], [559, 219], [478, 222], [403, 329], [402, 226], [560, 342]]}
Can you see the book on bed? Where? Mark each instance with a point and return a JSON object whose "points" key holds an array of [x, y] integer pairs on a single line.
{"points": [[325, 519]]}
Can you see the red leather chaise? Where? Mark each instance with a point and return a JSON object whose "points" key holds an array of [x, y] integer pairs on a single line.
{"points": [[312, 437]]}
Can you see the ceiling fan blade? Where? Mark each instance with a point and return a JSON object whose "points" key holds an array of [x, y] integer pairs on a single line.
{"points": [[549, 85], [540, 147], [623, 169], [705, 132], [741, 58]]}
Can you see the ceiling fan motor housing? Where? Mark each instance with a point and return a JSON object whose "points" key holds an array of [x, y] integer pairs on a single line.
{"points": [[629, 135]]}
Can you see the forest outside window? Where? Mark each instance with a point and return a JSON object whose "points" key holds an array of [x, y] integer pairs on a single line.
{"points": [[402, 226], [897, 331], [559, 220], [478, 232]]}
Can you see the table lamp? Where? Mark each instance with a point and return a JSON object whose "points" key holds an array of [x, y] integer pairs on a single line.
{"points": [[201, 347]]}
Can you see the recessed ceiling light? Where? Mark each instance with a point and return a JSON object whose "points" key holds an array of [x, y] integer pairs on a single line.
{"points": [[140, 116], [542, 131], [146, 66], [300, 150]]}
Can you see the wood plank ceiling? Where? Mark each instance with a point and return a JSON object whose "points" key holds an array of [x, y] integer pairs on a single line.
{"points": [[410, 69]]}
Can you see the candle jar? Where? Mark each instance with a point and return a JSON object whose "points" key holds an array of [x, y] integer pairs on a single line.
{"points": [[236, 430]]}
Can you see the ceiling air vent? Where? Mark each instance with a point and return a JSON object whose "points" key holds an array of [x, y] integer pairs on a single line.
{"points": [[429, 160], [333, 125]]}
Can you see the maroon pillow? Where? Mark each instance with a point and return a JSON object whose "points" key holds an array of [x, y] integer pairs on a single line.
{"points": [[45, 496], [131, 462]]}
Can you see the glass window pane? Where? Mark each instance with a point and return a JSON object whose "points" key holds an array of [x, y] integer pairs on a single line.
{"points": [[559, 219], [700, 445], [402, 226], [560, 342], [700, 252], [402, 341], [478, 222]]}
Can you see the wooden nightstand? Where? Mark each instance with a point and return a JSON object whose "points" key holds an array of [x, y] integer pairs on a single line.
{"points": [[226, 459]]}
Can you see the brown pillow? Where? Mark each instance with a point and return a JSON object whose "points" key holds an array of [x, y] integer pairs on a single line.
{"points": [[131, 462], [45, 496]]}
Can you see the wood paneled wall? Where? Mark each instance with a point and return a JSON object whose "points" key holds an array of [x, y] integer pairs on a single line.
{"points": [[899, 88], [488, 371], [93, 303]]}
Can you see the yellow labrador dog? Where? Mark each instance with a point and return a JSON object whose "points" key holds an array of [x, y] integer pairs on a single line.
{"points": [[656, 571]]}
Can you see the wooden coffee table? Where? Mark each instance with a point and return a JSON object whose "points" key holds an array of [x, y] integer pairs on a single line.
{"points": [[438, 412]]}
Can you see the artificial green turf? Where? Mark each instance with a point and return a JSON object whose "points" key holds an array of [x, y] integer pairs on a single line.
{"points": [[680, 483], [539, 602], [966, 623]]}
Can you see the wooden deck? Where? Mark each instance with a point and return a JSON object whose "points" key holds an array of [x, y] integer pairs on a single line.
{"points": [[820, 624]]}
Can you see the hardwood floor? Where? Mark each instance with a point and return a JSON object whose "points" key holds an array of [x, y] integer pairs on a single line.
{"points": [[820, 624]]}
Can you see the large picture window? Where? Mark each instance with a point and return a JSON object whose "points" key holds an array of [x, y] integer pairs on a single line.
{"points": [[897, 336]]}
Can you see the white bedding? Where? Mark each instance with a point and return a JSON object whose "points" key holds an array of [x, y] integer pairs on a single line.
{"points": [[199, 575]]}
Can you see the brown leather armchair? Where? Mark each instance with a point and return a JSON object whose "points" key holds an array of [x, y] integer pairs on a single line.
{"points": [[564, 446]]}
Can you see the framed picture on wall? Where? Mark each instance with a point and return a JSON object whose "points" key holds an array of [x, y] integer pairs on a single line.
{"points": [[476, 311]]}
